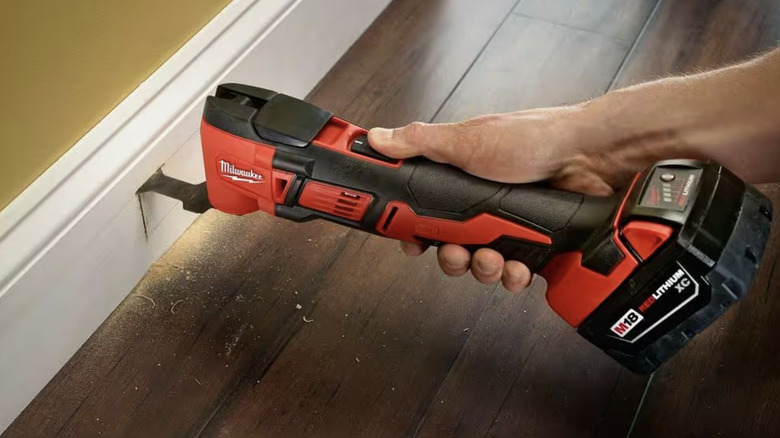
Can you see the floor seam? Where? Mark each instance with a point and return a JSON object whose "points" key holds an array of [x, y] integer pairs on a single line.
{"points": [[474, 61], [634, 46], [640, 406]]}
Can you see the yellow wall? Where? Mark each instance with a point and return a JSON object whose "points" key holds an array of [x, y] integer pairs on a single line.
{"points": [[64, 64]]}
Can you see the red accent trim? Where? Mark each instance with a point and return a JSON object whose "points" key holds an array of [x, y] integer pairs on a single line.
{"points": [[335, 200], [338, 135], [574, 291], [235, 193], [646, 237], [484, 228]]}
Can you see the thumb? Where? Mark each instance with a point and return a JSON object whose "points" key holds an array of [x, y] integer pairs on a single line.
{"points": [[434, 141]]}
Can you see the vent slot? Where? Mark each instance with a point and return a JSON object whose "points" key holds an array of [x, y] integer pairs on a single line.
{"points": [[347, 202], [389, 219], [280, 185], [344, 208]]}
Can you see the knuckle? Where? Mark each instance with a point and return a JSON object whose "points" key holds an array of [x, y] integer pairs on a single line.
{"points": [[414, 131]]}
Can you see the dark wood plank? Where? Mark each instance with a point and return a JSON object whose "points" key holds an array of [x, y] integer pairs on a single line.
{"points": [[369, 361], [153, 369], [616, 19], [535, 63], [724, 382], [240, 278], [403, 68], [524, 369], [690, 36]]}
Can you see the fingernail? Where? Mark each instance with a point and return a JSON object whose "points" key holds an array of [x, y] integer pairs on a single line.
{"points": [[382, 134], [487, 268]]}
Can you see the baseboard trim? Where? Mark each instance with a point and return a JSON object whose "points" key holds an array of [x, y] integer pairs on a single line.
{"points": [[73, 244]]}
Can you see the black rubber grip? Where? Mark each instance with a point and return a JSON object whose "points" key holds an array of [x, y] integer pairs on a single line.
{"points": [[551, 209], [440, 191], [440, 187]]}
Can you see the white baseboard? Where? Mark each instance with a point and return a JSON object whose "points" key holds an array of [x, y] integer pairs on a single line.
{"points": [[73, 244]]}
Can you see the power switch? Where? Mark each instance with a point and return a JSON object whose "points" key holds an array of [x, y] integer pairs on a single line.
{"points": [[360, 146], [335, 200]]}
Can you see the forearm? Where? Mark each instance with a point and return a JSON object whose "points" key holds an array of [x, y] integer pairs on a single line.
{"points": [[731, 115]]}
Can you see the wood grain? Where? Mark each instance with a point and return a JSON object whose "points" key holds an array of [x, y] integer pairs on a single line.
{"points": [[153, 369], [534, 63], [725, 382], [395, 348], [411, 59], [240, 278], [691, 36], [616, 19]]}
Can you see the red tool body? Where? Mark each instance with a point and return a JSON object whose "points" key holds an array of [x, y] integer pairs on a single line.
{"points": [[638, 273]]}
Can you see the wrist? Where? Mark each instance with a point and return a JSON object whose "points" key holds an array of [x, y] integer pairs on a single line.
{"points": [[639, 122], [632, 128], [728, 115]]}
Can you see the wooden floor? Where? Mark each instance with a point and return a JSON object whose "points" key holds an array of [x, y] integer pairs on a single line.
{"points": [[210, 343]]}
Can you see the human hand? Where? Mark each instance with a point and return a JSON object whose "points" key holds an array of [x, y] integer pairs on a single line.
{"points": [[521, 147], [729, 115]]}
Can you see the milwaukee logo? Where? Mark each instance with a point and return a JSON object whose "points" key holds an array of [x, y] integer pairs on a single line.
{"points": [[627, 322], [426, 229], [230, 171]]}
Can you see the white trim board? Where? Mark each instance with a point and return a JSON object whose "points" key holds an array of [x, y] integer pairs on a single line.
{"points": [[72, 245]]}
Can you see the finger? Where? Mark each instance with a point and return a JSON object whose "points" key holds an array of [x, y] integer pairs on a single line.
{"points": [[413, 249], [392, 143], [435, 141], [486, 266], [516, 276], [454, 260]]}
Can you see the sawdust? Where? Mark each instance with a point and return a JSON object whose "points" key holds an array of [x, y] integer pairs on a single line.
{"points": [[184, 273], [215, 233], [146, 298], [229, 346], [173, 306]]}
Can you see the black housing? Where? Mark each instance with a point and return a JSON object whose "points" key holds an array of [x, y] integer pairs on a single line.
{"points": [[708, 266]]}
